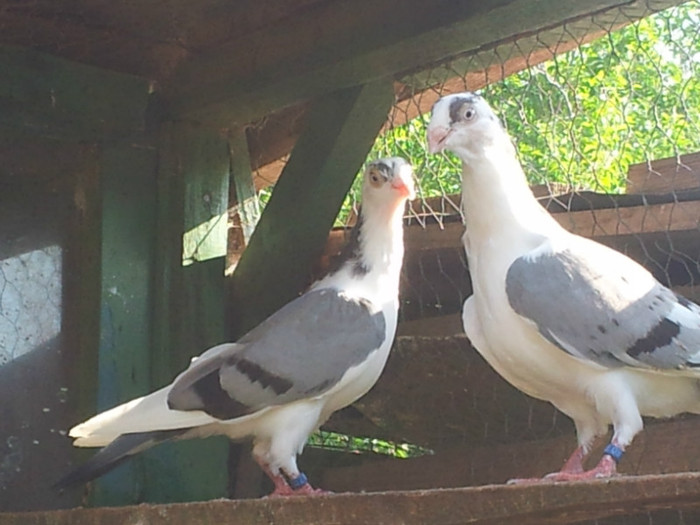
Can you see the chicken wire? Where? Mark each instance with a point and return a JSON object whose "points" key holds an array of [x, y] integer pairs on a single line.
{"points": [[590, 125], [594, 108]]}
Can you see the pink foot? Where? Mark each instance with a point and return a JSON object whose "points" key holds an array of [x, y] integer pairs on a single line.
{"points": [[284, 490], [573, 470], [304, 490], [574, 465], [606, 468]]}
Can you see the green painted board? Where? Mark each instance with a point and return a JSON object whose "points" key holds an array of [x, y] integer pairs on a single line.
{"points": [[294, 226], [128, 187], [193, 175], [47, 96]]}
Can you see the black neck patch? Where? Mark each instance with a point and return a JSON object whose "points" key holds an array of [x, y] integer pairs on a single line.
{"points": [[351, 253]]}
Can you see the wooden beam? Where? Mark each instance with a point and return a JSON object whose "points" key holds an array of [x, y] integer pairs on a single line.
{"points": [[128, 228], [244, 212], [629, 220], [294, 226], [51, 97], [344, 43], [665, 175], [193, 176], [544, 504], [205, 167]]}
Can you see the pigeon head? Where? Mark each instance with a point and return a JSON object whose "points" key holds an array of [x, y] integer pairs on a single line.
{"points": [[463, 123], [388, 181]]}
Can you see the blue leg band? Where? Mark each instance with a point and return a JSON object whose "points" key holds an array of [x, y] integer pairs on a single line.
{"points": [[298, 482], [614, 452]]}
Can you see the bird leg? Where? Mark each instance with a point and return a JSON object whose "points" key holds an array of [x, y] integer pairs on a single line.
{"points": [[573, 467], [606, 467], [287, 486]]}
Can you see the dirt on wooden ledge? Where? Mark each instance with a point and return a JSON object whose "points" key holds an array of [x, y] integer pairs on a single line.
{"points": [[538, 504]]}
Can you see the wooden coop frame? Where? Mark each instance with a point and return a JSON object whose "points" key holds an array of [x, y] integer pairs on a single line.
{"points": [[150, 140]]}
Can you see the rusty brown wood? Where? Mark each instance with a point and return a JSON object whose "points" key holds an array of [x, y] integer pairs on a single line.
{"points": [[665, 175], [540, 504]]}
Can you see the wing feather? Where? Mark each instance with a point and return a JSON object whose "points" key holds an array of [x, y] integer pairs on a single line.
{"points": [[597, 304], [300, 351]]}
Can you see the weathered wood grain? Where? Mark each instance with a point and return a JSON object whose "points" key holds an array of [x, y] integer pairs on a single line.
{"points": [[340, 44], [661, 448], [546, 504], [51, 97], [665, 175]]}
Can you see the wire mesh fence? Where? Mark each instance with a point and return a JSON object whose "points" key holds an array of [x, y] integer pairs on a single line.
{"points": [[30, 301], [604, 114], [592, 126]]}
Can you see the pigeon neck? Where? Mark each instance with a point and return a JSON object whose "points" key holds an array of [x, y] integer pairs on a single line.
{"points": [[373, 256], [381, 240], [497, 198]]}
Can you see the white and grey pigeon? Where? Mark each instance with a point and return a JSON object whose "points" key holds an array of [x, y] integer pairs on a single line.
{"points": [[559, 316], [283, 379]]}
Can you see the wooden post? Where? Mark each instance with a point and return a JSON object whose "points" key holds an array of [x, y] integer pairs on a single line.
{"points": [[244, 474], [129, 204], [243, 196], [295, 224], [193, 174]]}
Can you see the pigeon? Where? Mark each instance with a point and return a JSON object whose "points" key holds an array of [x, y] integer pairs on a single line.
{"points": [[559, 316], [284, 378]]}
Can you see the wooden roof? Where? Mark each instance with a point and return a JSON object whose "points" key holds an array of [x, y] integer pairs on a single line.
{"points": [[235, 63]]}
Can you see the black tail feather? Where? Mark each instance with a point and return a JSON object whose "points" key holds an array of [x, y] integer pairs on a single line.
{"points": [[115, 454]]}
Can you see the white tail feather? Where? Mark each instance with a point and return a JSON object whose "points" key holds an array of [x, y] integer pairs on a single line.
{"points": [[143, 414]]}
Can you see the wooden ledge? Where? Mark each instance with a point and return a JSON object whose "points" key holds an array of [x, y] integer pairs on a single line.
{"points": [[492, 504]]}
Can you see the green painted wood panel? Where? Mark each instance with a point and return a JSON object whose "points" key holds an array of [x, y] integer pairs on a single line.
{"points": [[193, 175], [129, 204], [52, 97], [295, 223]]}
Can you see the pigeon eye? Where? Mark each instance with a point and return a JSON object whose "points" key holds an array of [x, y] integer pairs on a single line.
{"points": [[469, 114], [376, 178]]}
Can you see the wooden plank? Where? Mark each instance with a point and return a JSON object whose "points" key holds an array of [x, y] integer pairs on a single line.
{"points": [[546, 504], [82, 296], [662, 448], [632, 220], [665, 175], [51, 97], [189, 301], [204, 166], [295, 224], [418, 93], [676, 216], [128, 229], [339, 44], [245, 211]]}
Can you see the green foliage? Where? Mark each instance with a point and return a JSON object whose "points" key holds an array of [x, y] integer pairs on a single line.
{"points": [[583, 117], [359, 445]]}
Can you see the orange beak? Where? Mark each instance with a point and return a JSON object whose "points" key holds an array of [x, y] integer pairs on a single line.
{"points": [[404, 184]]}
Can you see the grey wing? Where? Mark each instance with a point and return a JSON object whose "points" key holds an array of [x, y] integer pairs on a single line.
{"points": [[300, 351], [596, 304]]}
